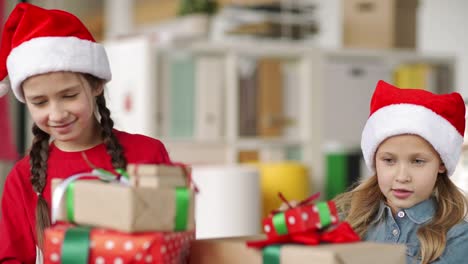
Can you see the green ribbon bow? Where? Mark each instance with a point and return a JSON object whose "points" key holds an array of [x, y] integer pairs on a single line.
{"points": [[123, 173]]}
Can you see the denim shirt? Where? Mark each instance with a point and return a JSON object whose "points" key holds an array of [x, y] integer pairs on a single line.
{"points": [[402, 229]]}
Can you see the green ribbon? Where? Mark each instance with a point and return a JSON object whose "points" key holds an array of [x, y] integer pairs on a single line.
{"points": [[75, 246], [182, 208], [279, 222], [123, 173], [271, 254], [70, 200], [324, 214]]}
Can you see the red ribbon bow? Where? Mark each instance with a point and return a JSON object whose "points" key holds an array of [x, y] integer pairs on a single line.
{"points": [[341, 233]]}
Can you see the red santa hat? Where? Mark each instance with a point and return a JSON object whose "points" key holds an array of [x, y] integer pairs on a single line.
{"points": [[37, 41], [439, 119]]}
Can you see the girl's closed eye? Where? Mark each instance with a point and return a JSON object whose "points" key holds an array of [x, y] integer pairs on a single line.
{"points": [[68, 96], [39, 102]]}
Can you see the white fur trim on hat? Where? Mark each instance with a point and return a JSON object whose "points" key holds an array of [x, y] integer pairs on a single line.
{"points": [[400, 119], [51, 54]]}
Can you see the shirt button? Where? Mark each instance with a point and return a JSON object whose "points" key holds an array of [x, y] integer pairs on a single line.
{"points": [[401, 214], [395, 232]]}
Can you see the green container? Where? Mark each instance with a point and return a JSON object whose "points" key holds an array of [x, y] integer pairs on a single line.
{"points": [[342, 171]]}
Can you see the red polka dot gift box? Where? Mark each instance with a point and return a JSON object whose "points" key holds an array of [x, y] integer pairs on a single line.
{"points": [[71, 244], [304, 217]]}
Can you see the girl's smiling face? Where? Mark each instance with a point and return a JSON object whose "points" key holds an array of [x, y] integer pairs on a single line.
{"points": [[407, 168], [62, 104]]}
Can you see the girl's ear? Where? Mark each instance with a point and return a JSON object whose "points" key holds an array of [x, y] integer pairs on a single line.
{"points": [[98, 89], [442, 168]]}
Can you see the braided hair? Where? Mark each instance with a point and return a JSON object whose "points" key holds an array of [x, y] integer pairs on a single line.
{"points": [[39, 154]]}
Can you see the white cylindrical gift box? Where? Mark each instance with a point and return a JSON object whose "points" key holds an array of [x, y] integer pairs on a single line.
{"points": [[228, 203]]}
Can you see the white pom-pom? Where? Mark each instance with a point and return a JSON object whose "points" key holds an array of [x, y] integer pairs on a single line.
{"points": [[4, 87]]}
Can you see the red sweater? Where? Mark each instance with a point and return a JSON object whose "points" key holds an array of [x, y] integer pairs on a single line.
{"points": [[17, 225]]}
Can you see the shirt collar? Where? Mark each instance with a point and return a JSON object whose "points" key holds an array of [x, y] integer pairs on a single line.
{"points": [[379, 213], [422, 212], [419, 213]]}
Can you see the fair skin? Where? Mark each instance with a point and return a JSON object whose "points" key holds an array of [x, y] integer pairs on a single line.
{"points": [[407, 168], [62, 104]]}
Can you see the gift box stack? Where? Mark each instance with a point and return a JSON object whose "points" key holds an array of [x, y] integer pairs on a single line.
{"points": [[143, 215], [308, 232]]}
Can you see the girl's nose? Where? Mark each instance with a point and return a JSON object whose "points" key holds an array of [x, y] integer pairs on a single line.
{"points": [[57, 113], [402, 175]]}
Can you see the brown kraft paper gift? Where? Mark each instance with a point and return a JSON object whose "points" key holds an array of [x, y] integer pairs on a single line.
{"points": [[234, 251], [124, 208]]}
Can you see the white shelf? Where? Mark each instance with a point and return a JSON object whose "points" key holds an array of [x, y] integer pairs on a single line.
{"points": [[332, 103], [256, 143], [281, 49], [242, 143]]}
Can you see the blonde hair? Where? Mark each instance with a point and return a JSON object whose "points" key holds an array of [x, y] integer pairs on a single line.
{"points": [[361, 204]]}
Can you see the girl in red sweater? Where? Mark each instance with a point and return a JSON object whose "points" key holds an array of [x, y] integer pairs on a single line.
{"points": [[58, 70]]}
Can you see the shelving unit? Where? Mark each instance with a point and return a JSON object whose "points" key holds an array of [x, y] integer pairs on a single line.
{"points": [[331, 104], [231, 142]]}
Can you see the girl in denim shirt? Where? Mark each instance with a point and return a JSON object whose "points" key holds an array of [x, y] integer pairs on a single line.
{"points": [[412, 142]]}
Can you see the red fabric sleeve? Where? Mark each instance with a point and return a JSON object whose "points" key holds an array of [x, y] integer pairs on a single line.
{"points": [[17, 238], [163, 156], [143, 149]]}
